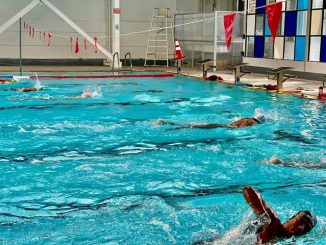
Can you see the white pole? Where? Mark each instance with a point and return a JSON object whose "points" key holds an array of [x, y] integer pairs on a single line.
{"points": [[215, 39], [19, 15], [116, 30], [76, 28]]}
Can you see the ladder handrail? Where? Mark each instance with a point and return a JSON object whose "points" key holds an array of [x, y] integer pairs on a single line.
{"points": [[116, 53], [129, 59]]}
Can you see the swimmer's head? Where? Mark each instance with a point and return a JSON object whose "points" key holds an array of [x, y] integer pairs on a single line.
{"points": [[260, 117], [275, 160], [86, 94], [300, 224]]}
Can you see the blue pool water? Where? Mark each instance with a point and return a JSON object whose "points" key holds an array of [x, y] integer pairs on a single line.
{"points": [[95, 171]]}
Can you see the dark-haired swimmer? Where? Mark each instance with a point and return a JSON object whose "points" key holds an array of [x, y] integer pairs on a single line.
{"points": [[241, 123], [32, 89], [300, 224], [4, 81]]}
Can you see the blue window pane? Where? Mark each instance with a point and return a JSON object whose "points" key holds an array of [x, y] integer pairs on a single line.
{"points": [[323, 49], [259, 4], [259, 47], [300, 48], [302, 4], [290, 23], [267, 30]]}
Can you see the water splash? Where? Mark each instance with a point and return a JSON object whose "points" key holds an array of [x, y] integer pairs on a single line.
{"points": [[37, 83]]}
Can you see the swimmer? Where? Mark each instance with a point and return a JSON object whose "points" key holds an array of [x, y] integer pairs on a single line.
{"points": [[320, 164], [241, 123], [4, 81], [84, 95], [300, 224], [32, 89]]}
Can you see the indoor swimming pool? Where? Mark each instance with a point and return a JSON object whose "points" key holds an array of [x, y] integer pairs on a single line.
{"points": [[97, 171]]}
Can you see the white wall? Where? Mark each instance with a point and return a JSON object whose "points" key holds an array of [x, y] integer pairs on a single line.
{"points": [[136, 16], [93, 16], [188, 6], [90, 15]]}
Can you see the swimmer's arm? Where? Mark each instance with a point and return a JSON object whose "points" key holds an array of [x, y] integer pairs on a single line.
{"points": [[258, 204], [208, 125]]}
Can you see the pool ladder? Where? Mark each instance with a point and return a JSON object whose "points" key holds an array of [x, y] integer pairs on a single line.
{"points": [[116, 54]]}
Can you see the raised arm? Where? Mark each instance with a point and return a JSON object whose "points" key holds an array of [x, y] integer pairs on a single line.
{"points": [[272, 228]]}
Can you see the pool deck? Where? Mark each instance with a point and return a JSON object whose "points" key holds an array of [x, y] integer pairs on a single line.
{"points": [[305, 88]]}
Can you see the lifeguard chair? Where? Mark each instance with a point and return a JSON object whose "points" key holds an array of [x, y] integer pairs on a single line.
{"points": [[159, 38]]}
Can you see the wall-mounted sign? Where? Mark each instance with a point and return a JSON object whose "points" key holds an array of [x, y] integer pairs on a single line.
{"points": [[116, 10]]}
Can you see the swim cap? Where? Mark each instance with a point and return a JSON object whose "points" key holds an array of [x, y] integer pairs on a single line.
{"points": [[87, 94]]}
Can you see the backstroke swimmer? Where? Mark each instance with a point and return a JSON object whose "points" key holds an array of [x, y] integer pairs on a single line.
{"points": [[298, 225], [241, 123], [268, 228]]}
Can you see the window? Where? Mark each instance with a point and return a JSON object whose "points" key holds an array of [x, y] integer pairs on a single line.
{"points": [[302, 23], [259, 25], [278, 47], [289, 48], [250, 46], [268, 47], [291, 4], [314, 53], [316, 20]]}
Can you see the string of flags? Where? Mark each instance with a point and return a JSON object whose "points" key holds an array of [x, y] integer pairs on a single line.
{"points": [[46, 36], [274, 12]]}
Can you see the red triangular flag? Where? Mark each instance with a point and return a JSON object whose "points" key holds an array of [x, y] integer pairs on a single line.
{"points": [[26, 28], [44, 36], [95, 44], [33, 30], [228, 28], [30, 31], [274, 12], [49, 35], [85, 43], [77, 46]]}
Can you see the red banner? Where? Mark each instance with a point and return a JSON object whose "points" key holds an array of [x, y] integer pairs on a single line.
{"points": [[77, 46], [228, 28], [274, 12], [49, 40]]}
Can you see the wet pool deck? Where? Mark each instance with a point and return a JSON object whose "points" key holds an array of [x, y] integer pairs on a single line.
{"points": [[306, 88]]}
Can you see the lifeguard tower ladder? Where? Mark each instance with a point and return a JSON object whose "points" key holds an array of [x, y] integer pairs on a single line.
{"points": [[158, 38]]}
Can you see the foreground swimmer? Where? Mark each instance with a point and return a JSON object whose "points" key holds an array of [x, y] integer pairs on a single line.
{"points": [[300, 224], [32, 89], [241, 123]]}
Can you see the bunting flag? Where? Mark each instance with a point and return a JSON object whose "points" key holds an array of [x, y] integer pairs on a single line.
{"points": [[26, 28], [49, 40], [40, 35], [44, 36], [71, 44], [85, 43], [77, 46], [228, 28], [30, 31], [274, 12], [95, 44], [33, 32]]}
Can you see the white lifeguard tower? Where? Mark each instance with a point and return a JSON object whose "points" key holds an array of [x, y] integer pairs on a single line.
{"points": [[159, 37]]}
